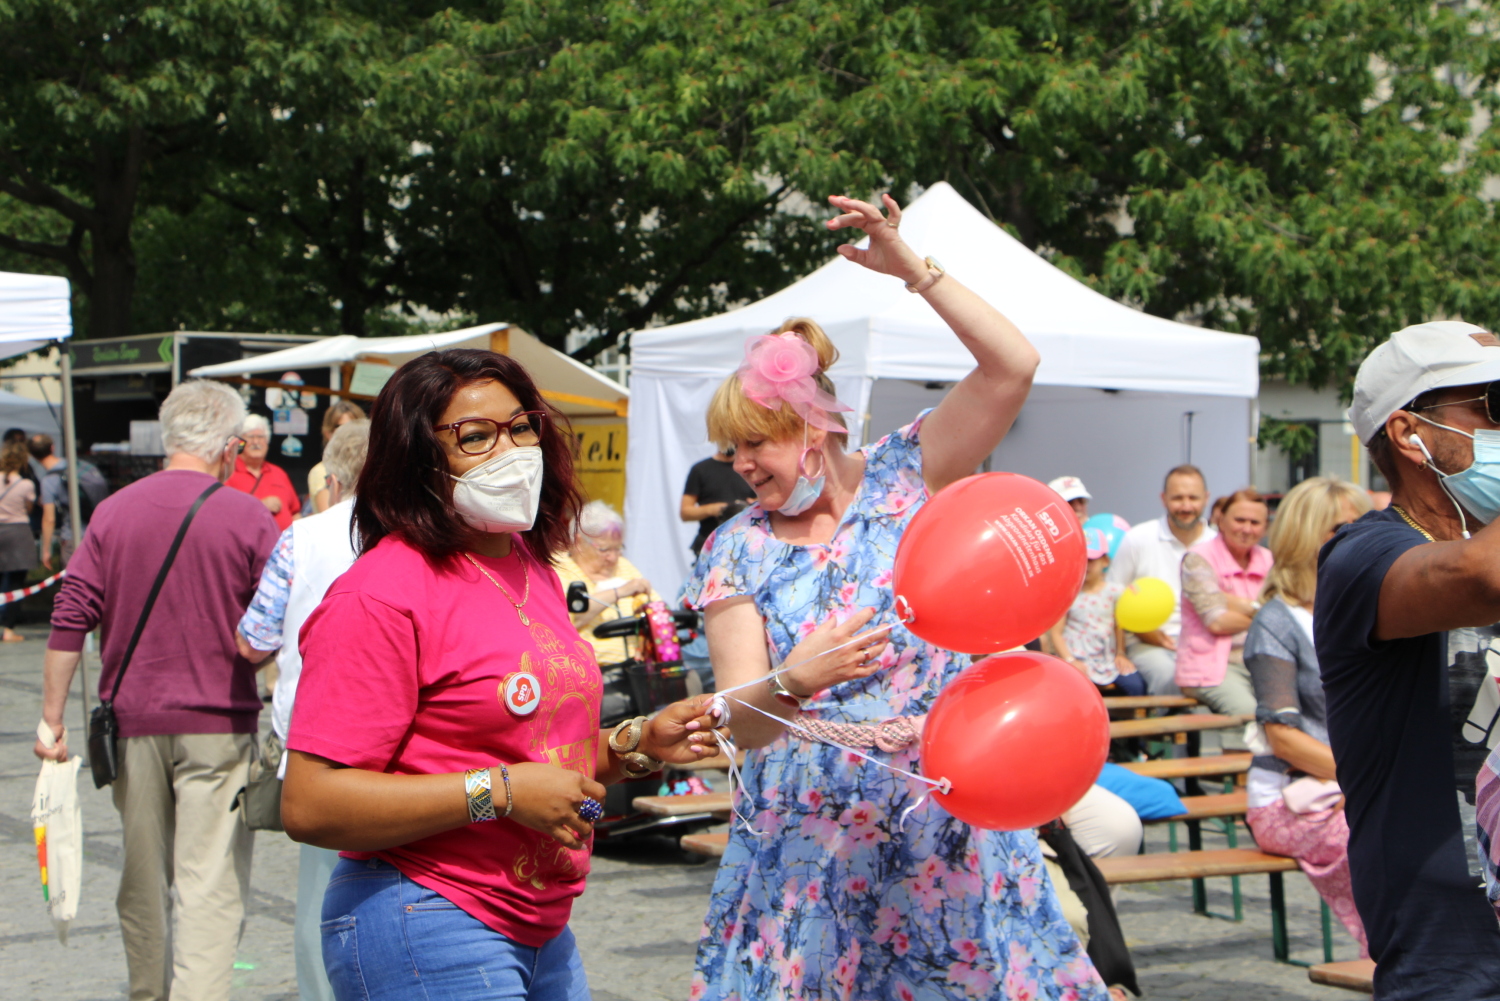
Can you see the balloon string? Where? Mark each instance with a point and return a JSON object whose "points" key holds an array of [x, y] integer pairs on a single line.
{"points": [[719, 707]]}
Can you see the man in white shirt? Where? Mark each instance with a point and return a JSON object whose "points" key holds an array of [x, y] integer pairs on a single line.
{"points": [[1155, 549]]}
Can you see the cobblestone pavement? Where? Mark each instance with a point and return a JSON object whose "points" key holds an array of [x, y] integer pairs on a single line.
{"points": [[636, 925]]}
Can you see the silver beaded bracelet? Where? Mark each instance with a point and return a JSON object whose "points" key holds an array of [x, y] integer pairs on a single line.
{"points": [[505, 777]]}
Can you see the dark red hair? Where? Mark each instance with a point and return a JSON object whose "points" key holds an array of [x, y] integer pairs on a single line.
{"points": [[405, 489]]}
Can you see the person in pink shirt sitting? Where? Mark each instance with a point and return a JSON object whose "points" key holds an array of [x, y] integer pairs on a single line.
{"points": [[446, 732]]}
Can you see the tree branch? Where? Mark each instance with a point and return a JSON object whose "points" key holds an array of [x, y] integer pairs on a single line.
{"points": [[70, 255], [33, 192], [632, 319]]}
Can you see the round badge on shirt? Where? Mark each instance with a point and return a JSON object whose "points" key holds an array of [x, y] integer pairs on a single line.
{"points": [[521, 693]]}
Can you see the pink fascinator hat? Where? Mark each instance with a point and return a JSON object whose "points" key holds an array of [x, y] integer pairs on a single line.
{"points": [[783, 368]]}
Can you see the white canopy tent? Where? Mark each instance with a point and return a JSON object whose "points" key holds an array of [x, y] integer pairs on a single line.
{"points": [[1121, 396], [574, 388], [36, 310]]}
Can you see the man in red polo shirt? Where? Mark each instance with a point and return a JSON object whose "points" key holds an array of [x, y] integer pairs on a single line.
{"points": [[265, 481]]}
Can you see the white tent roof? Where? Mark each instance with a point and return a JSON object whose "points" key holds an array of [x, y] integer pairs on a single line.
{"points": [[575, 388], [34, 309], [882, 331]]}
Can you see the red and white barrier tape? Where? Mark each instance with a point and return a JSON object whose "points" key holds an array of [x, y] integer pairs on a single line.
{"points": [[9, 596]]}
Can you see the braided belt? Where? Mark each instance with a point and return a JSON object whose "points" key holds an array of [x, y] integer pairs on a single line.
{"points": [[889, 735]]}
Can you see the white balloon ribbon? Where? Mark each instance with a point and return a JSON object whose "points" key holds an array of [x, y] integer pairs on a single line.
{"points": [[719, 708]]}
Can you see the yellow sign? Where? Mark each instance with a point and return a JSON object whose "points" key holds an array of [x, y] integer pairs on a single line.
{"points": [[599, 455]]}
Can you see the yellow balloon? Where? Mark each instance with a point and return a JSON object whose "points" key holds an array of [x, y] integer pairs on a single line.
{"points": [[1146, 605]]}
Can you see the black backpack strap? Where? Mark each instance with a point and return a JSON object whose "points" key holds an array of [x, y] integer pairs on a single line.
{"points": [[161, 577]]}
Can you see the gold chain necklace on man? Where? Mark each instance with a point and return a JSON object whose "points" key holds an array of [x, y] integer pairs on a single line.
{"points": [[525, 575], [1412, 522]]}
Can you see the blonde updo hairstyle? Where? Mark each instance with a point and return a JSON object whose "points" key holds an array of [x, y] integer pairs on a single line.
{"points": [[1303, 519], [735, 418]]}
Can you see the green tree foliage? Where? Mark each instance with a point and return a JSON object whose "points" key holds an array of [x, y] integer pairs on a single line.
{"points": [[104, 104], [1309, 172]]}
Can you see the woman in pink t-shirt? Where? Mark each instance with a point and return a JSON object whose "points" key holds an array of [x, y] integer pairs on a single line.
{"points": [[446, 733]]}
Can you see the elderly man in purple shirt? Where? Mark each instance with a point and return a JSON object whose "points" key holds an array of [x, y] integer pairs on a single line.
{"points": [[188, 704]]}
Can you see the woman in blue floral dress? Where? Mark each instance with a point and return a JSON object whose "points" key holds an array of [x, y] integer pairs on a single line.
{"points": [[829, 896]]}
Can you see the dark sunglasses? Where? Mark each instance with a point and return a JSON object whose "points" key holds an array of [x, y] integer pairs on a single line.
{"points": [[1490, 399]]}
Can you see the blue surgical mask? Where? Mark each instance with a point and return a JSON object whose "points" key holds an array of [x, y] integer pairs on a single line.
{"points": [[807, 491], [1476, 489]]}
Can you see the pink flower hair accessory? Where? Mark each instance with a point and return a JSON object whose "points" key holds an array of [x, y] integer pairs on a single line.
{"points": [[783, 368]]}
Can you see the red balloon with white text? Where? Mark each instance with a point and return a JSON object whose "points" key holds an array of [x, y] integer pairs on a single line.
{"points": [[989, 563], [1021, 737]]}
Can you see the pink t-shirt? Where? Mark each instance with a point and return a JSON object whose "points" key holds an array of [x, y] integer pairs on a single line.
{"points": [[408, 668]]}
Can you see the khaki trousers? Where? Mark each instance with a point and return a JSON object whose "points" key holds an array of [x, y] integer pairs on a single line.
{"points": [[186, 877], [1234, 696]]}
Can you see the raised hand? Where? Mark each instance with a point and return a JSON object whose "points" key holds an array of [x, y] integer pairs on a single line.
{"points": [[887, 252]]}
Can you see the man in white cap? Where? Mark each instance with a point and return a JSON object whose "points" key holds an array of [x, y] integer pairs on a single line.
{"points": [[1406, 605], [1072, 490]]}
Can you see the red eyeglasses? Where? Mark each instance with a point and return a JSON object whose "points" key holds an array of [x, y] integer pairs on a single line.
{"points": [[478, 435]]}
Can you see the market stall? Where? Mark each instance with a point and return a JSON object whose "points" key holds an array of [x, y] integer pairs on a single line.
{"points": [[596, 405]]}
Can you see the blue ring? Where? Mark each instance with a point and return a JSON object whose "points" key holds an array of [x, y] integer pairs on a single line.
{"points": [[590, 809]]}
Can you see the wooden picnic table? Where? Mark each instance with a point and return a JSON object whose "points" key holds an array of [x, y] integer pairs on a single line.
{"points": [[1149, 702]]}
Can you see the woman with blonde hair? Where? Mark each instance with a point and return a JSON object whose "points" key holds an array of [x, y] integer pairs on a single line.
{"points": [[1295, 807], [833, 895]]}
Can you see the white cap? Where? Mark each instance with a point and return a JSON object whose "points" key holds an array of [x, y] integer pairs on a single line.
{"points": [[1070, 488], [1419, 358]]}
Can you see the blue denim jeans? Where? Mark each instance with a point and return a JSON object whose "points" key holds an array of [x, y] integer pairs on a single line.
{"points": [[386, 938]]}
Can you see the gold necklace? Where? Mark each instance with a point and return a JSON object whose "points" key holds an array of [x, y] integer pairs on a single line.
{"points": [[525, 596], [1412, 522]]}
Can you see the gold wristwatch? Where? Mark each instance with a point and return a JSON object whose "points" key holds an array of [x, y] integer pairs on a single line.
{"points": [[935, 272]]}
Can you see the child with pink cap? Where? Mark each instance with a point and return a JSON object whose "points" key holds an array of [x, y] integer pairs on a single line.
{"points": [[1088, 637]]}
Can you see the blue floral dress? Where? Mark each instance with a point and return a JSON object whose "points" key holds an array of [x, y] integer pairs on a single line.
{"points": [[833, 899]]}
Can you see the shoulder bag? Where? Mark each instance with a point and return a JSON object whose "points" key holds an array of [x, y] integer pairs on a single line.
{"points": [[104, 728]]}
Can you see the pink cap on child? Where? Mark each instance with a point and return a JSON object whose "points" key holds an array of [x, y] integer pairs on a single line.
{"points": [[1095, 544]]}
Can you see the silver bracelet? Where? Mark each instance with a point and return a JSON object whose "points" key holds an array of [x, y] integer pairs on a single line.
{"points": [[477, 792]]}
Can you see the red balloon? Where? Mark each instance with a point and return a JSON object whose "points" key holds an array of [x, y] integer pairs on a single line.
{"points": [[1021, 737], [991, 562]]}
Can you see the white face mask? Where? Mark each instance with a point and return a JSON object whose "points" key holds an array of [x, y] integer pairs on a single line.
{"points": [[807, 489], [501, 494]]}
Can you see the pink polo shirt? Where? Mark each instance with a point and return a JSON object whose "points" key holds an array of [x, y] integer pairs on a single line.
{"points": [[1202, 657], [405, 668]]}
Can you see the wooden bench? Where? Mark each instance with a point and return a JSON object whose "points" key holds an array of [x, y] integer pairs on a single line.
{"points": [[1157, 868], [1232, 763], [1200, 865], [712, 845], [1213, 805], [1352, 975], [1149, 702], [1159, 726], [716, 803]]}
